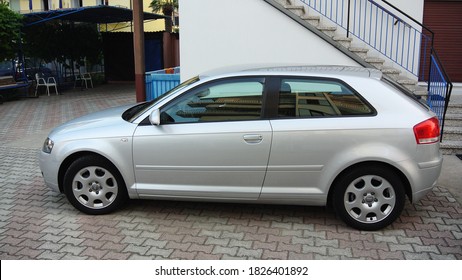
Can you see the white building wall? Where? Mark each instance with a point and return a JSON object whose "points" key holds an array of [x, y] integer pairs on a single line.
{"points": [[219, 33]]}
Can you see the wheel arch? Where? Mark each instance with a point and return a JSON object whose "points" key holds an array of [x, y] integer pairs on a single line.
{"points": [[73, 157], [402, 176]]}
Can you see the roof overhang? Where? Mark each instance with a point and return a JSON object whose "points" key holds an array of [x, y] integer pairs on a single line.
{"points": [[91, 14]]}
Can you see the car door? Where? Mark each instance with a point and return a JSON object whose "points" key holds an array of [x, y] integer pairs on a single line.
{"points": [[212, 143], [316, 120]]}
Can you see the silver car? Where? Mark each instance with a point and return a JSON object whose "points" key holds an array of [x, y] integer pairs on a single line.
{"points": [[339, 136]]}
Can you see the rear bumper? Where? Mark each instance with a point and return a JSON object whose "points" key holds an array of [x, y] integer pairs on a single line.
{"points": [[425, 178]]}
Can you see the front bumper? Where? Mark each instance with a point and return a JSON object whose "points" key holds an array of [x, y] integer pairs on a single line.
{"points": [[50, 170]]}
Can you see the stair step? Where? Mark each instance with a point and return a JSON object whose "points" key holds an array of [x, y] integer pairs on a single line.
{"points": [[452, 133], [451, 147], [454, 120], [360, 51], [313, 20], [344, 41], [328, 30], [298, 10], [454, 108], [376, 62], [408, 83], [392, 73]]}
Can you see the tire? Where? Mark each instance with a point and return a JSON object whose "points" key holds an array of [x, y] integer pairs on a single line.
{"points": [[369, 197], [94, 186]]}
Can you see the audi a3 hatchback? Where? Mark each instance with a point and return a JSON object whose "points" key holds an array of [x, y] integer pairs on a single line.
{"points": [[339, 136]]}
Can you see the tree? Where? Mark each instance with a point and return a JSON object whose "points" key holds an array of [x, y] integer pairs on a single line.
{"points": [[10, 30], [63, 42], [167, 7]]}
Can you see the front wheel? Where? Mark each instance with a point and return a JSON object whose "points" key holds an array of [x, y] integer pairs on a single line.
{"points": [[94, 186], [369, 197]]}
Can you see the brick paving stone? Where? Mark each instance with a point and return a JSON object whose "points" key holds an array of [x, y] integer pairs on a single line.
{"points": [[249, 253], [386, 239], [200, 248], [155, 243], [318, 250], [376, 245], [47, 255], [204, 256], [113, 246], [220, 250], [194, 239], [304, 240], [178, 254], [409, 240], [116, 256], [28, 253], [92, 243], [136, 249], [279, 238], [401, 247], [386, 255], [150, 235], [159, 252], [217, 241], [71, 249], [177, 245], [31, 243], [326, 242], [54, 247], [271, 255]]}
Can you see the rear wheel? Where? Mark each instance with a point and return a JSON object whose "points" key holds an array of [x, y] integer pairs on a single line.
{"points": [[94, 186], [369, 197]]}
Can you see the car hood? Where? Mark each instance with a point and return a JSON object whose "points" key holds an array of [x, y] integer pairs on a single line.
{"points": [[106, 123]]}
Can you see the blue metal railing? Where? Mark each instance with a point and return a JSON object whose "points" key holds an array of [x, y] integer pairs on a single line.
{"points": [[439, 89], [408, 43]]}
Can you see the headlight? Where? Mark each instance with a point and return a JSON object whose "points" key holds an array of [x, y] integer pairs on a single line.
{"points": [[48, 146]]}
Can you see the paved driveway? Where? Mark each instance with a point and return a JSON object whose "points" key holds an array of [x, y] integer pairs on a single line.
{"points": [[36, 223]]}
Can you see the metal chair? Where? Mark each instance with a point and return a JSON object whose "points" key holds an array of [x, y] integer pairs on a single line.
{"points": [[49, 82], [83, 78]]}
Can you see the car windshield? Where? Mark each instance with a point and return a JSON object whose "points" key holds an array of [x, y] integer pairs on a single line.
{"points": [[134, 112]]}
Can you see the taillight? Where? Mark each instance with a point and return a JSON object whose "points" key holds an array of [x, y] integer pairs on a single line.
{"points": [[427, 132]]}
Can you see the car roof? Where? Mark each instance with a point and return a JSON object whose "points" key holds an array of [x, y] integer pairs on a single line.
{"points": [[294, 70]]}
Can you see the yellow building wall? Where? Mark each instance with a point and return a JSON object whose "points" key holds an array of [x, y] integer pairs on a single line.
{"points": [[149, 26]]}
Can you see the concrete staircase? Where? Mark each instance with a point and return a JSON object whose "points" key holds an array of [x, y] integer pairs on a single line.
{"points": [[452, 135], [358, 50]]}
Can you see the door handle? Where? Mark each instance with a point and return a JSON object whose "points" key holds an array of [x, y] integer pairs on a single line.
{"points": [[253, 138]]}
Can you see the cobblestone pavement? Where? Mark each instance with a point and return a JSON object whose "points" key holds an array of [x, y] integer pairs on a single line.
{"points": [[36, 223]]}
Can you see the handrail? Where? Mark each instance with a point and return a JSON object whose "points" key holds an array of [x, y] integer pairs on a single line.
{"points": [[409, 17], [439, 89]]}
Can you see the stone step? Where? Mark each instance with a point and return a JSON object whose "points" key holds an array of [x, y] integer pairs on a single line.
{"points": [[408, 83], [376, 62], [313, 20], [450, 147], [328, 30], [452, 133], [298, 10], [454, 108], [453, 120], [392, 73], [344, 41], [360, 51]]}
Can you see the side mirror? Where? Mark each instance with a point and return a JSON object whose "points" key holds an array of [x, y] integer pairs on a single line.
{"points": [[154, 117]]}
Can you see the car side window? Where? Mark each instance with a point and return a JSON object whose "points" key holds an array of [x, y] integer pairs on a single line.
{"points": [[305, 98], [226, 100]]}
